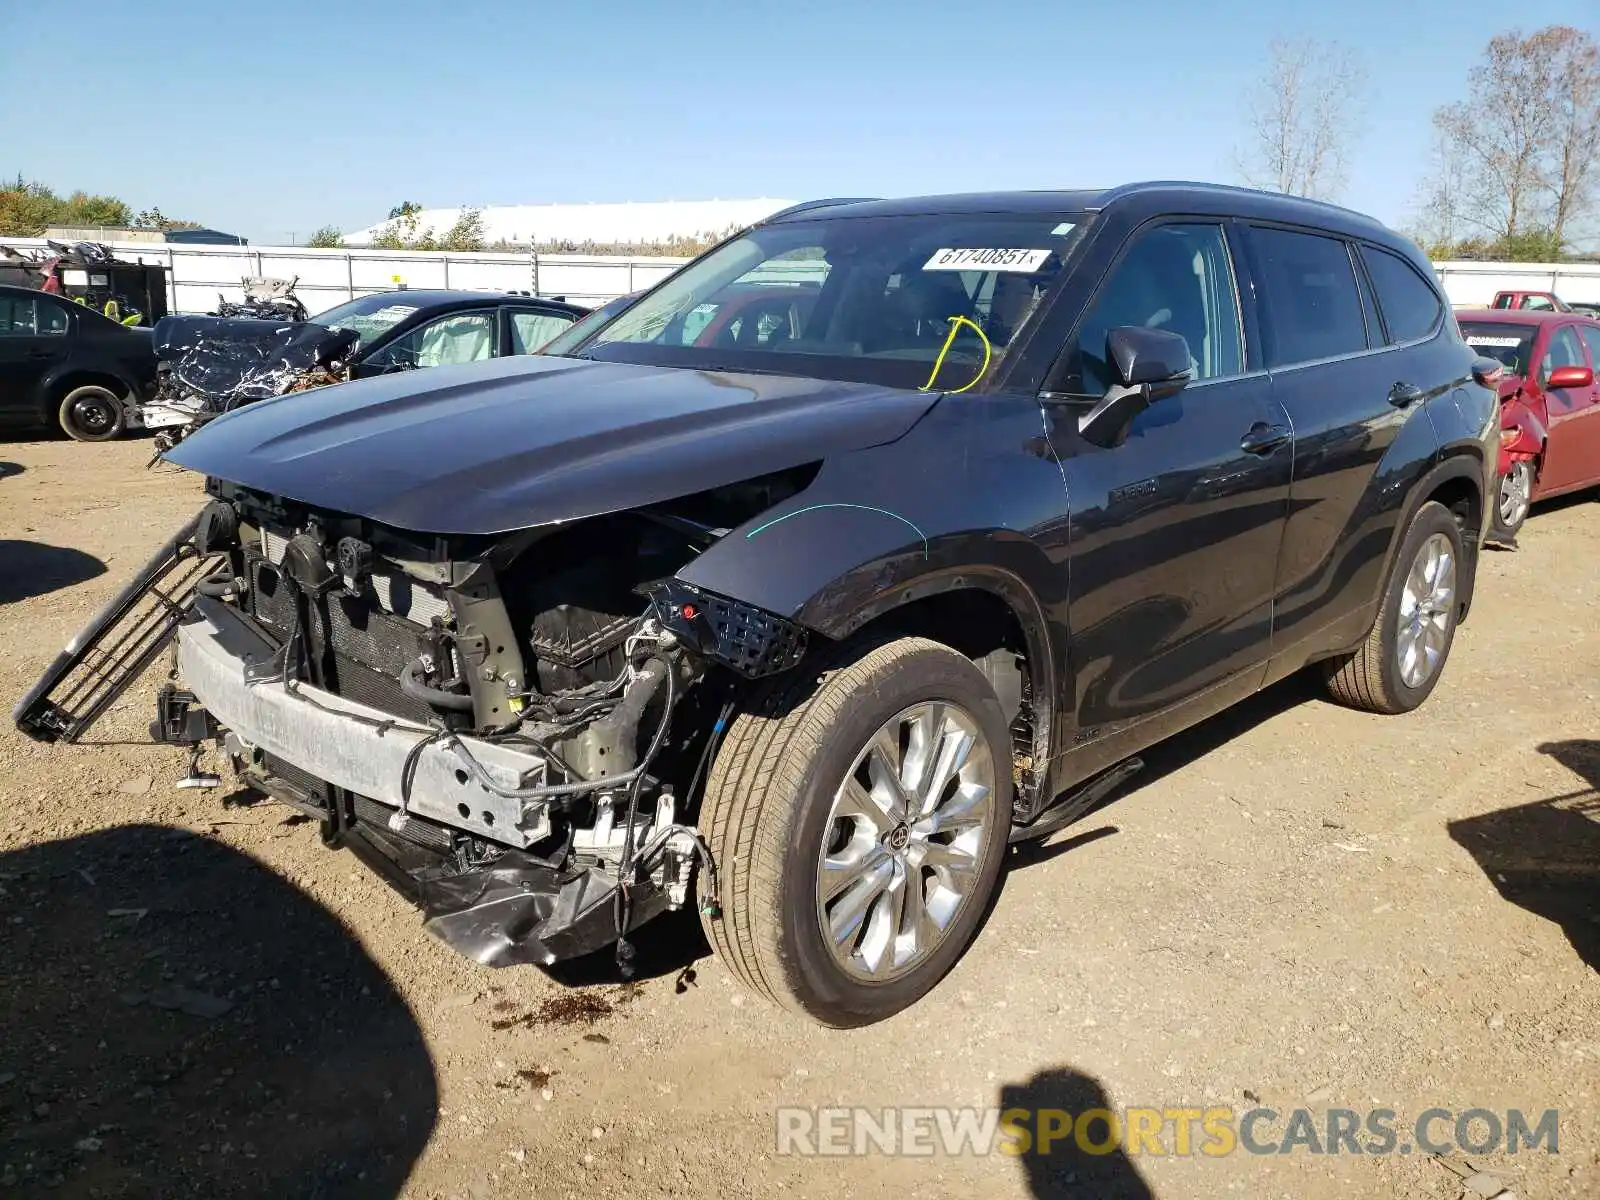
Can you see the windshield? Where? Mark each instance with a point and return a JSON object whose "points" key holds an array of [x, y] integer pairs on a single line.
{"points": [[913, 301], [370, 316], [1508, 344], [563, 343]]}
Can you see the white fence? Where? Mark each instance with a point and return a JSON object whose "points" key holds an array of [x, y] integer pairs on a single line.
{"points": [[1477, 282], [196, 275]]}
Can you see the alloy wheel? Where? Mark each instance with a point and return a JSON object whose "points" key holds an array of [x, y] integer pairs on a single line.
{"points": [[904, 840], [1516, 493], [1427, 606]]}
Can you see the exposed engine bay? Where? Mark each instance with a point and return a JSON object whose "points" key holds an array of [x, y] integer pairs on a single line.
{"points": [[511, 730]]}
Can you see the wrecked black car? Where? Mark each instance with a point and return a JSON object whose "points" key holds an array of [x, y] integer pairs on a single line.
{"points": [[883, 535], [207, 366], [212, 364]]}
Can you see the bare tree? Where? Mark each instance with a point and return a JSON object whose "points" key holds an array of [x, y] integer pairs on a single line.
{"points": [[1302, 115], [1529, 137], [1441, 220], [1573, 176]]}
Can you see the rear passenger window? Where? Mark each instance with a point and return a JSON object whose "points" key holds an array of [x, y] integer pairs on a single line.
{"points": [[1313, 309], [1410, 306]]}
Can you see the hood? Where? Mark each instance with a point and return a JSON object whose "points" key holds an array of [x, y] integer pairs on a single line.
{"points": [[490, 447], [235, 360]]}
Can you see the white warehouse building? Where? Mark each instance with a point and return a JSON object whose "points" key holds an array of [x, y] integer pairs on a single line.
{"points": [[601, 224]]}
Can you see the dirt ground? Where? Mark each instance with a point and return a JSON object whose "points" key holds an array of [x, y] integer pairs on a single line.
{"points": [[1295, 906]]}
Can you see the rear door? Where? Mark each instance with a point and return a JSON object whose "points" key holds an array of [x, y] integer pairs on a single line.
{"points": [[1351, 390], [1572, 457], [34, 337]]}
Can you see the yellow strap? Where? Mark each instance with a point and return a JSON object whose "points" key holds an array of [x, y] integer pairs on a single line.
{"points": [[955, 327]]}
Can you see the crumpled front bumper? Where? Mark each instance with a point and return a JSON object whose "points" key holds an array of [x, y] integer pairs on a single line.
{"points": [[352, 745]]}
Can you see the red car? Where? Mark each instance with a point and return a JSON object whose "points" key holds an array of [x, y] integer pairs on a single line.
{"points": [[1540, 302], [1549, 404]]}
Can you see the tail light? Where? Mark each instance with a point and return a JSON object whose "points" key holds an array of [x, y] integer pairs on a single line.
{"points": [[1507, 436]]}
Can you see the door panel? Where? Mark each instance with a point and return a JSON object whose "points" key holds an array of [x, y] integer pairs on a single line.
{"points": [[34, 337], [1587, 466], [1570, 452], [1175, 537], [1341, 511]]}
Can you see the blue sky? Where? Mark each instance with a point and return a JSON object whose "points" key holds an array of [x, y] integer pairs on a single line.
{"points": [[277, 117]]}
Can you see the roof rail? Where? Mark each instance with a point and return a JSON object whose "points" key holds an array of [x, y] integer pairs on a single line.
{"points": [[1145, 185], [808, 205]]}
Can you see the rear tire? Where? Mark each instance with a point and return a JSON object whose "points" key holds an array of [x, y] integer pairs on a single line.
{"points": [[800, 856], [1398, 665], [92, 414]]}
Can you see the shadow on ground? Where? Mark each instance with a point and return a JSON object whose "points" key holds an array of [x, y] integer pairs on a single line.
{"points": [[179, 1021], [1180, 751], [1064, 1169], [34, 569], [1545, 856], [8, 469]]}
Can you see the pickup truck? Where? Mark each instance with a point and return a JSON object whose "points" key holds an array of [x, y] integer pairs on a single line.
{"points": [[1545, 301]]}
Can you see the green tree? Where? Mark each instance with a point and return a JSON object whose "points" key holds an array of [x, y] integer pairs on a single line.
{"points": [[406, 208], [466, 233], [26, 208], [327, 238], [82, 209]]}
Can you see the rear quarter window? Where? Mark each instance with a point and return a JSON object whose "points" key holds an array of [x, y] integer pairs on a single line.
{"points": [[1313, 305], [1409, 305]]}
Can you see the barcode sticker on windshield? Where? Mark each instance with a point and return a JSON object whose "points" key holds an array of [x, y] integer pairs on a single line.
{"points": [[1493, 341], [1024, 261]]}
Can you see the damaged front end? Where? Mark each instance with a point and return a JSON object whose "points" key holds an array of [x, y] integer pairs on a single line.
{"points": [[511, 729], [210, 365]]}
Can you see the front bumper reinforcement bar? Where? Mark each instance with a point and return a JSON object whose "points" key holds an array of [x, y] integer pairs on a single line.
{"points": [[348, 744]]}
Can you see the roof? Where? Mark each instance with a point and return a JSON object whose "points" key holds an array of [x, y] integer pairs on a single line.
{"points": [[1200, 197], [1519, 316], [432, 297]]}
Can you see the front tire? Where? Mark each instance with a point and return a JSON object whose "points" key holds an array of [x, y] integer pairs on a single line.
{"points": [[858, 819], [92, 414], [1398, 665]]}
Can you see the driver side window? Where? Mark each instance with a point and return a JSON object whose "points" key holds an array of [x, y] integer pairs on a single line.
{"points": [[1176, 278], [455, 338], [1564, 351]]}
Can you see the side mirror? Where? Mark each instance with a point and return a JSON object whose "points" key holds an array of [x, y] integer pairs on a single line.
{"points": [[1570, 377], [1150, 364], [1488, 371]]}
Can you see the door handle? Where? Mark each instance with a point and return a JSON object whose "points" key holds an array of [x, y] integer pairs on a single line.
{"points": [[41, 354], [1264, 438], [1403, 395]]}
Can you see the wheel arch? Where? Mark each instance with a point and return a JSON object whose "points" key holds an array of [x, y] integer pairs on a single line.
{"points": [[1457, 484], [976, 610], [865, 566]]}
